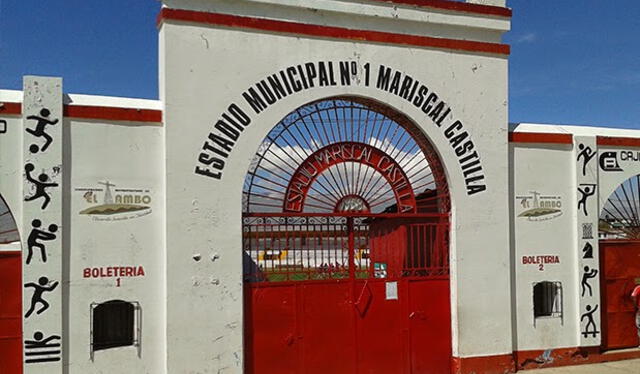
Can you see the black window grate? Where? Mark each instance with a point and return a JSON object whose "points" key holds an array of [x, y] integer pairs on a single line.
{"points": [[115, 323], [547, 299]]}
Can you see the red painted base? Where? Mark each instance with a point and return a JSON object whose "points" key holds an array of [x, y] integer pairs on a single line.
{"points": [[538, 359], [571, 356], [502, 364]]}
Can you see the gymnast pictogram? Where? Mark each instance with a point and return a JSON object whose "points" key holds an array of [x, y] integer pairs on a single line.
{"points": [[590, 328], [586, 190], [39, 131], [586, 154], [40, 184]]}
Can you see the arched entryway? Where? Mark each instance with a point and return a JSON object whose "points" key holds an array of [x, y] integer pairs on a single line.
{"points": [[10, 292], [619, 232], [346, 245]]}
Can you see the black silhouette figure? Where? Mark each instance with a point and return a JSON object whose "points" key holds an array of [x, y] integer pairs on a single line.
{"points": [[588, 274], [42, 350], [586, 190], [41, 184], [38, 234], [39, 342], [40, 288], [586, 153], [587, 251], [39, 131], [590, 322]]}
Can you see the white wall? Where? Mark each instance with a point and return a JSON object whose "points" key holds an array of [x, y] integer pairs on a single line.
{"points": [[556, 169], [363, 15], [129, 155], [205, 69], [547, 170]]}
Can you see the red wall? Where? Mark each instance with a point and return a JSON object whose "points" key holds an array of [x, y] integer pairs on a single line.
{"points": [[620, 267], [10, 313]]}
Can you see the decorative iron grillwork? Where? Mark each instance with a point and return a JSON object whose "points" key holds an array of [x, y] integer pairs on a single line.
{"points": [[345, 189], [620, 215], [308, 134], [8, 229]]}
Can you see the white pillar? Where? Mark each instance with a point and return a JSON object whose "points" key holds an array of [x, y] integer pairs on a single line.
{"points": [[41, 221], [585, 152]]}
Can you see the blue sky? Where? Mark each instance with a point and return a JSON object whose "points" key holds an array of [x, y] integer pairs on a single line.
{"points": [[572, 62], [575, 62]]}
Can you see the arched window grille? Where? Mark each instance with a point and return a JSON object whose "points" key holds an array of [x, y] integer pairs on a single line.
{"points": [[115, 323]]}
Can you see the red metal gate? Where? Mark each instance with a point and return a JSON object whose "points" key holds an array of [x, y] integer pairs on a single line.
{"points": [[620, 266], [10, 313], [346, 260], [347, 294]]}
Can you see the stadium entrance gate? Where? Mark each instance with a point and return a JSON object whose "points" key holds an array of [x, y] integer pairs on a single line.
{"points": [[346, 245], [620, 264], [10, 293]]}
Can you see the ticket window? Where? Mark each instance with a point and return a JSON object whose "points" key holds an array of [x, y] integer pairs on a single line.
{"points": [[547, 300], [114, 324]]}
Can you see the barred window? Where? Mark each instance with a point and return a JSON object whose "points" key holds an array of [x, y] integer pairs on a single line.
{"points": [[547, 299], [115, 323]]}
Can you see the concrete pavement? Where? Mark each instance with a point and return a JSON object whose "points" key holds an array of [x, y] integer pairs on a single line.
{"points": [[615, 367]]}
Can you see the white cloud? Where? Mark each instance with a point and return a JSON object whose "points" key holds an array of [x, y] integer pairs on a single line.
{"points": [[526, 38]]}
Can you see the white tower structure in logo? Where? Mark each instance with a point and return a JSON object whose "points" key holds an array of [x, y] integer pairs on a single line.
{"points": [[108, 197]]}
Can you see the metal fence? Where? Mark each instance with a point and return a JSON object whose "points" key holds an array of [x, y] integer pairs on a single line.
{"points": [[284, 247]]}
